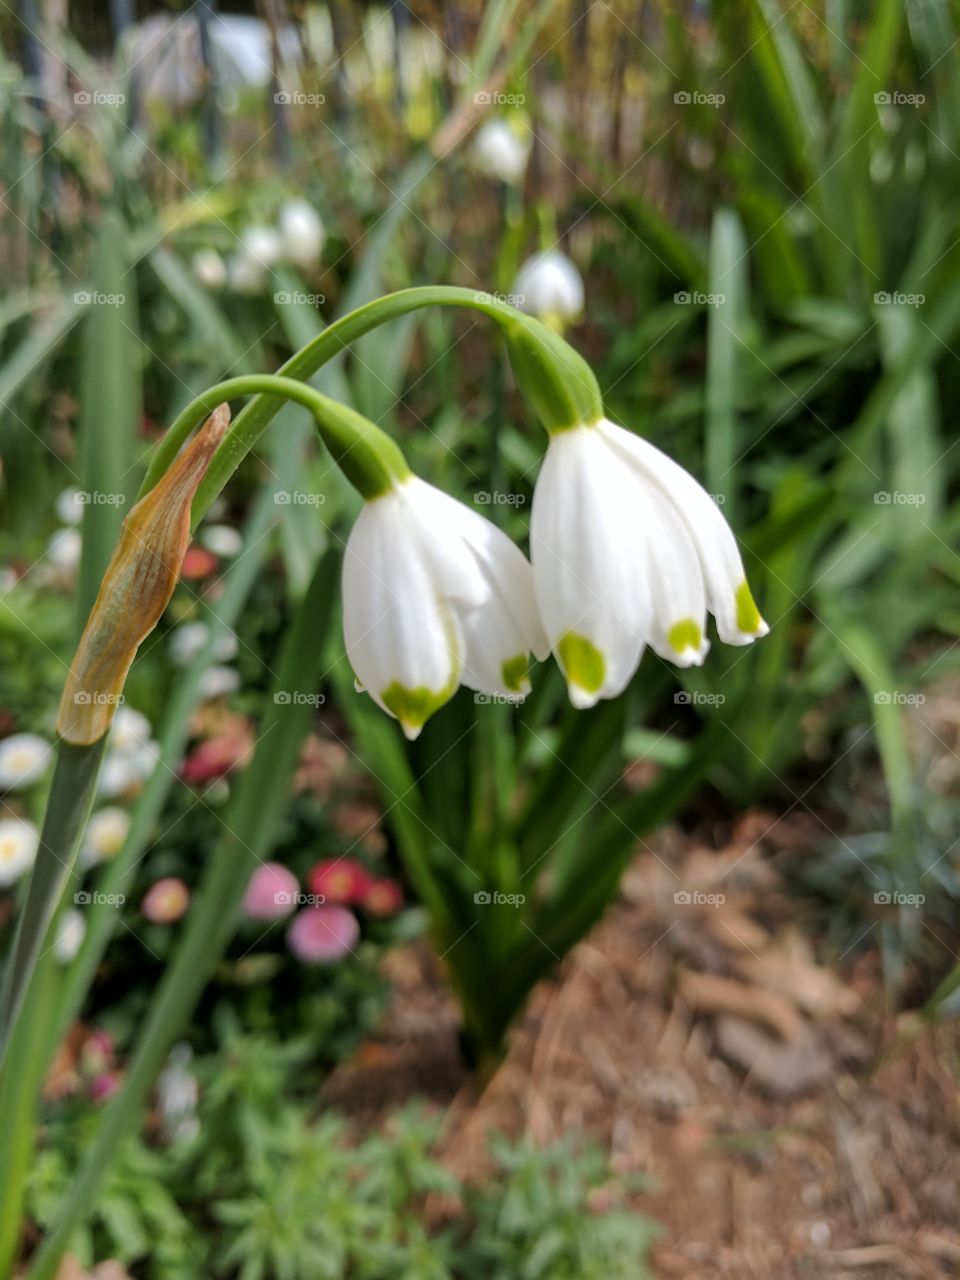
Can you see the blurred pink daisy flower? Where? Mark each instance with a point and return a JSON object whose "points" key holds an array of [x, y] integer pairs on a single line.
{"points": [[271, 893], [323, 935]]}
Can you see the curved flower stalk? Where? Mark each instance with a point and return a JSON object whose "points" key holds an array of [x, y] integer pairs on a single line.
{"points": [[435, 596], [629, 550]]}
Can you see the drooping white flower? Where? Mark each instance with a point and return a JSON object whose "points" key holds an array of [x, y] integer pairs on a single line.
{"points": [[24, 758], [302, 232], [209, 268], [500, 151], [549, 287], [435, 596], [104, 836], [246, 274], [19, 841], [628, 550], [69, 506], [71, 931], [187, 640], [263, 245]]}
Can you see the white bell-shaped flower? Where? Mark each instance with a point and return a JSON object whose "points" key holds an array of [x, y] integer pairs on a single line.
{"points": [[302, 232], [549, 287], [435, 596], [629, 550], [500, 151]]}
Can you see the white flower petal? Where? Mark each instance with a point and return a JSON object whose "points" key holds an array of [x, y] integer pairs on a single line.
{"points": [[728, 596], [402, 639], [588, 552], [678, 622], [548, 285]]}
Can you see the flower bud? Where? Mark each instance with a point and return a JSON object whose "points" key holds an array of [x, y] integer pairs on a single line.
{"points": [[136, 589]]}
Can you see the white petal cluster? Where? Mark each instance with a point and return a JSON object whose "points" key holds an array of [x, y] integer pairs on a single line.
{"points": [[629, 550], [550, 287], [435, 596]]}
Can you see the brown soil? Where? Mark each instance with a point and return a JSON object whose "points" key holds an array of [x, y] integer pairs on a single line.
{"points": [[786, 1123]]}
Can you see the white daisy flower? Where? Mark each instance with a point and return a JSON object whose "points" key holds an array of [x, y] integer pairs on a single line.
{"points": [[118, 774], [435, 596], [24, 759], [19, 841], [129, 731], [550, 287], [629, 550], [104, 836]]}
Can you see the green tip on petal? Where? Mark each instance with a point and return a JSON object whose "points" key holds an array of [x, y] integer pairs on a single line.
{"points": [[516, 673], [583, 663], [413, 707], [685, 634], [748, 615]]}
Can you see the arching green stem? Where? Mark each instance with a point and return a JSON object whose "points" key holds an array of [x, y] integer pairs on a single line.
{"points": [[557, 382], [370, 460]]}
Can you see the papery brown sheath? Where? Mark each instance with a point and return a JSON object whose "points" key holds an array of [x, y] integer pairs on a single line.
{"points": [[136, 589]]}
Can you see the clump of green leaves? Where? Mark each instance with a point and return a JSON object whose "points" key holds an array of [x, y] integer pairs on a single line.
{"points": [[268, 1190]]}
